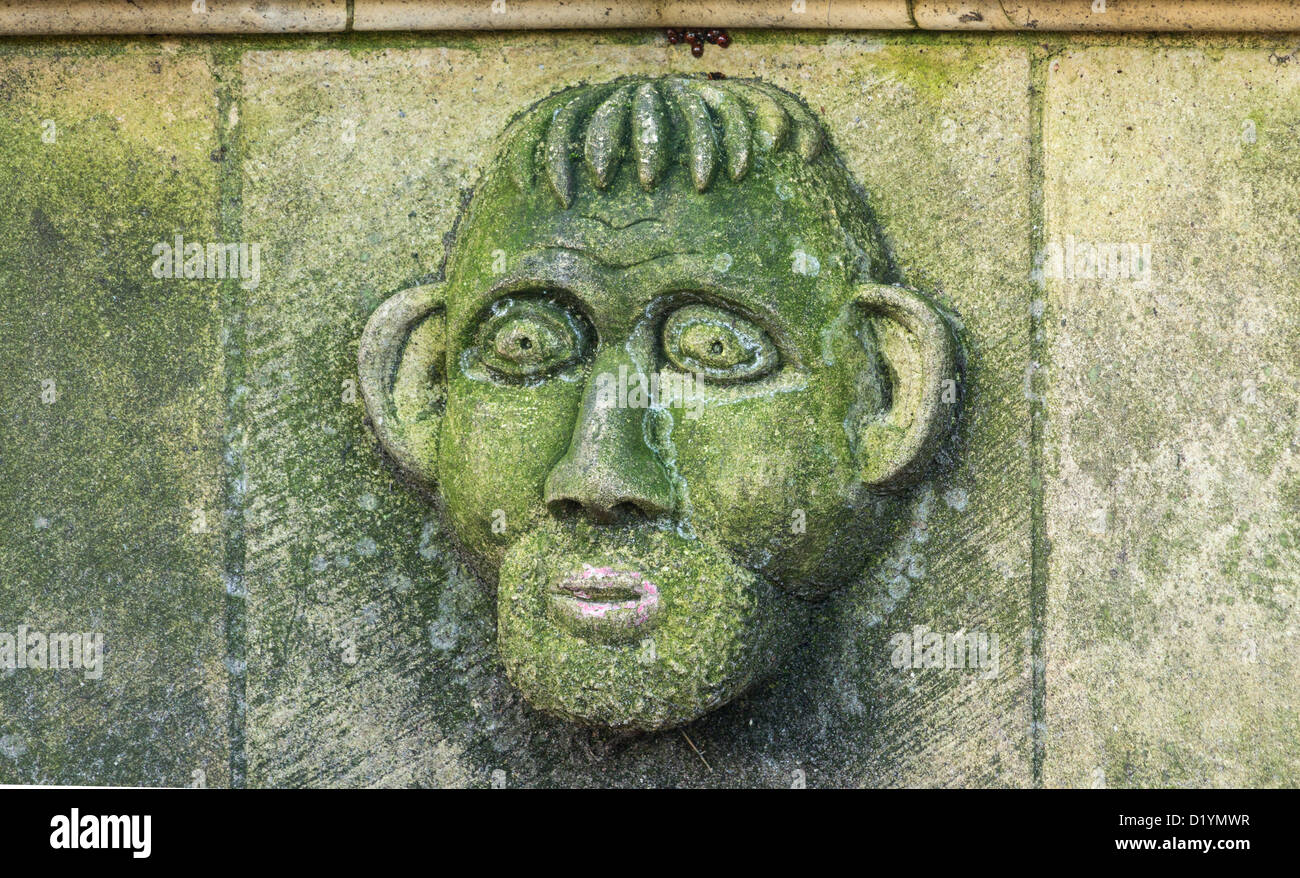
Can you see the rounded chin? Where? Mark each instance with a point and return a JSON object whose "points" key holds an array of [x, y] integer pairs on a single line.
{"points": [[646, 722]]}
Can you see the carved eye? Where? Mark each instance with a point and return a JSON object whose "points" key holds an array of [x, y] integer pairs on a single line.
{"points": [[720, 345], [529, 338]]}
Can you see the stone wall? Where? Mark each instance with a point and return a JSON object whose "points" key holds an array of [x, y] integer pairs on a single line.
{"points": [[184, 466]]}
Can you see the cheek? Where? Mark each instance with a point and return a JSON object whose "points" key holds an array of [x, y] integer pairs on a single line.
{"points": [[771, 476], [497, 445]]}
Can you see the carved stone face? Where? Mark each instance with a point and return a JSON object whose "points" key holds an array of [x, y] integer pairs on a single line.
{"points": [[660, 395]]}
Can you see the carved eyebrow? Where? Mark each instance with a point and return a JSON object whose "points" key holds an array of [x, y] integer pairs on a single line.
{"points": [[551, 268]]}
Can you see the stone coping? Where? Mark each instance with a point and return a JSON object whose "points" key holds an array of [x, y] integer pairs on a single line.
{"points": [[52, 17]]}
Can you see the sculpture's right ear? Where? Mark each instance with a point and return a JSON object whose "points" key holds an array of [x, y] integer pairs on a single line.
{"points": [[403, 377]]}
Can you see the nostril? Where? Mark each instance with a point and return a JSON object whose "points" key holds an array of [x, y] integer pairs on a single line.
{"points": [[623, 511], [627, 510], [564, 508]]}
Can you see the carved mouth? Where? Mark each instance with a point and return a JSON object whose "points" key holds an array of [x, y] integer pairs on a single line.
{"points": [[605, 598]]}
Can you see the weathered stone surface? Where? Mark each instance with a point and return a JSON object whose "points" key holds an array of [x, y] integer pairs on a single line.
{"points": [[939, 135], [356, 675], [110, 437], [172, 17], [1172, 443], [346, 645], [370, 652]]}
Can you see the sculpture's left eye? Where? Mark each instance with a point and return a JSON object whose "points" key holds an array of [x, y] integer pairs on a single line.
{"points": [[721, 345], [529, 338]]}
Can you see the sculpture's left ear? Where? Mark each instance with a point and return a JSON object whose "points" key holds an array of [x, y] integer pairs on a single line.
{"points": [[401, 360], [919, 348]]}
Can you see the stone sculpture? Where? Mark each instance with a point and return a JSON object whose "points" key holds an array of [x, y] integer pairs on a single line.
{"points": [[660, 392]]}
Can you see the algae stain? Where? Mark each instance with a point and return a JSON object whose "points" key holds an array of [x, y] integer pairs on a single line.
{"points": [[657, 427]]}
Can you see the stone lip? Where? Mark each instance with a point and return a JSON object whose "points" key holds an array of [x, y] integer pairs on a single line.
{"points": [[48, 17], [605, 598]]}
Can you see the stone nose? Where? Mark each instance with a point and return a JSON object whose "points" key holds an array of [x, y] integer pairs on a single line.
{"points": [[609, 466]]}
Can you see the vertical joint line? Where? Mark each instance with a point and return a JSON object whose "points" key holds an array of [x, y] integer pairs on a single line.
{"points": [[226, 68], [1038, 61]]}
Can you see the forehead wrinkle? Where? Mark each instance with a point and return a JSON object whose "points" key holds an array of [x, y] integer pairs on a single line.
{"points": [[618, 246]]}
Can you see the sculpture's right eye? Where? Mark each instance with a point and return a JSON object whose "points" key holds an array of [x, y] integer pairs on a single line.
{"points": [[529, 338]]}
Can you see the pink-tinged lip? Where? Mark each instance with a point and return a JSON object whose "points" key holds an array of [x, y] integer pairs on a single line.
{"points": [[605, 597]]}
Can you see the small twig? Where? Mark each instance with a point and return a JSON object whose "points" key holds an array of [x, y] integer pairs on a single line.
{"points": [[697, 750]]}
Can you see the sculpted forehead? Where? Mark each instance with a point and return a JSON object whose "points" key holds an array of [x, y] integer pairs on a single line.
{"points": [[629, 188], [766, 241]]}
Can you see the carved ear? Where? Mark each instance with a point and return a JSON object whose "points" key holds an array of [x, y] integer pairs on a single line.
{"points": [[915, 342], [402, 369]]}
